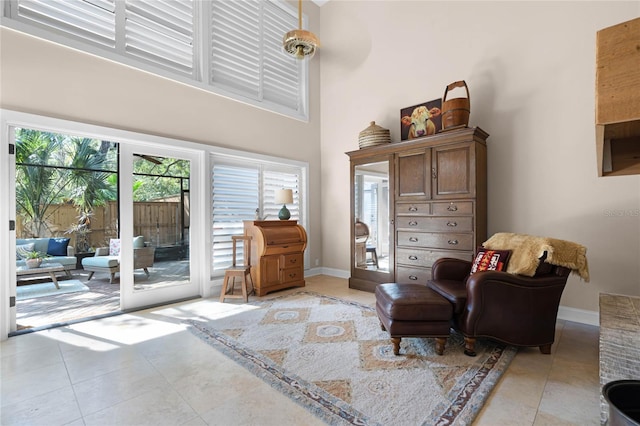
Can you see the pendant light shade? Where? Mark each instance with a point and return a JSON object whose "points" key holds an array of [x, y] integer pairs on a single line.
{"points": [[300, 43]]}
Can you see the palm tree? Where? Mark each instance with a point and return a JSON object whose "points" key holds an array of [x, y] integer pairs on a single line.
{"points": [[52, 168], [91, 184], [38, 186]]}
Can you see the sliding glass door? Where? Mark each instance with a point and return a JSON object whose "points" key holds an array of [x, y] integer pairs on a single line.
{"points": [[158, 204], [96, 189]]}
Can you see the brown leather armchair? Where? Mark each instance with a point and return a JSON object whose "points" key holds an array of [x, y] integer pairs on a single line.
{"points": [[514, 309]]}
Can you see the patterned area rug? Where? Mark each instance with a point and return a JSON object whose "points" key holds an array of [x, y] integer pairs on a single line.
{"points": [[31, 291], [331, 356]]}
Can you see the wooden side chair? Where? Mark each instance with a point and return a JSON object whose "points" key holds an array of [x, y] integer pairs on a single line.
{"points": [[237, 270]]}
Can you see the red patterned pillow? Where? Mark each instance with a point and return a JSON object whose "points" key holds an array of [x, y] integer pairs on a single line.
{"points": [[490, 260]]}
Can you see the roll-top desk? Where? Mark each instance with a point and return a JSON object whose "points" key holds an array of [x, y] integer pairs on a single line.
{"points": [[277, 254]]}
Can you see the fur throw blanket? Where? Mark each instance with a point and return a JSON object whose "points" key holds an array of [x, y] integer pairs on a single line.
{"points": [[526, 251]]}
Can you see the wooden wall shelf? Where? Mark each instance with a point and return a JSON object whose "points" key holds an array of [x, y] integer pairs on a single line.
{"points": [[618, 99]]}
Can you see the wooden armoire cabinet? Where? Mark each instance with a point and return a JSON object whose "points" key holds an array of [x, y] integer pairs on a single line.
{"points": [[277, 254], [437, 203]]}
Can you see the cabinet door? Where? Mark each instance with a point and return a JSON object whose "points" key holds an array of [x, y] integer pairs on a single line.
{"points": [[270, 267], [454, 171], [414, 174]]}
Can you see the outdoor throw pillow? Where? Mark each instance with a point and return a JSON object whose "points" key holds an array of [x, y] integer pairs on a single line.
{"points": [[490, 260], [58, 246], [23, 249], [114, 247]]}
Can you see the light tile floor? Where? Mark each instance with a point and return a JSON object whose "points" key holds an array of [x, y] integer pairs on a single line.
{"points": [[145, 368]]}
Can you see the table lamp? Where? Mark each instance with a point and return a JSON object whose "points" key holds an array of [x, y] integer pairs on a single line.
{"points": [[284, 196]]}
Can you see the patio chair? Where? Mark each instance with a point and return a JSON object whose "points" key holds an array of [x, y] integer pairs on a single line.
{"points": [[107, 259]]}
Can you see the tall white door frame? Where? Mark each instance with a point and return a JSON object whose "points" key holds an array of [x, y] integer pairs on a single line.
{"points": [[130, 142], [129, 297]]}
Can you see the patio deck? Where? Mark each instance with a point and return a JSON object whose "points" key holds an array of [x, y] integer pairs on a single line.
{"points": [[101, 299]]}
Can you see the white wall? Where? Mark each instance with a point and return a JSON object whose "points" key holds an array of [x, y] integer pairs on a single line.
{"points": [[530, 68]]}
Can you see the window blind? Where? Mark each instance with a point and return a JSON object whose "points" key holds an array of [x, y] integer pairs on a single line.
{"points": [[370, 210], [235, 46], [239, 187], [230, 47], [281, 73], [274, 180], [92, 20], [161, 32], [246, 52], [235, 198]]}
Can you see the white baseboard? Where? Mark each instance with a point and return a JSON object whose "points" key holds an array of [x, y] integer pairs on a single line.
{"points": [[339, 273], [579, 315], [313, 271]]}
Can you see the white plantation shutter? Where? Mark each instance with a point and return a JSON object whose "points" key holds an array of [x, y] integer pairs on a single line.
{"points": [[239, 187], [246, 52], [229, 47], [161, 32], [274, 180], [370, 210], [91, 20], [235, 199], [281, 73], [235, 43]]}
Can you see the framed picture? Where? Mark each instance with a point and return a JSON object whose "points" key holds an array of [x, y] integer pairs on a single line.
{"points": [[421, 120]]}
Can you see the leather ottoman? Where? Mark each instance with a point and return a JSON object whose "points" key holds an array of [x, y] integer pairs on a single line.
{"points": [[413, 310]]}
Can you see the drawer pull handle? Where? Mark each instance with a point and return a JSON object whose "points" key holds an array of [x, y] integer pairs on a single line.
{"points": [[413, 239], [413, 278], [453, 242], [412, 257], [413, 223], [413, 209], [285, 246], [452, 207], [452, 224], [292, 275], [295, 260]]}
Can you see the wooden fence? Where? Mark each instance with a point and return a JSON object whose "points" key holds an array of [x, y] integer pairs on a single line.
{"points": [[158, 222]]}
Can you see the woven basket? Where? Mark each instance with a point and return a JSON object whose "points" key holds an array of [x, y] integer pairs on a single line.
{"points": [[455, 112], [373, 135]]}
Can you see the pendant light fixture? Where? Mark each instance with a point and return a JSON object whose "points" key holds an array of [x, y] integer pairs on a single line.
{"points": [[300, 43]]}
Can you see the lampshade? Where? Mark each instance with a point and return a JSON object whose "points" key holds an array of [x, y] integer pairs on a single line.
{"points": [[300, 43], [284, 196]]}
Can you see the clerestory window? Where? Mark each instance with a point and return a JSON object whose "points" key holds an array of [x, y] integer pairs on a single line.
{"points": [[232, 48]]}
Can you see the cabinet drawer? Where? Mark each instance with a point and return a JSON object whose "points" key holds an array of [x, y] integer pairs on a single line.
{"points": [[436, 224], [452, 208], [292, 260], [283, 249], [405, 275], [425, 258], [452, 241], [292, 274], [404, 209]]}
